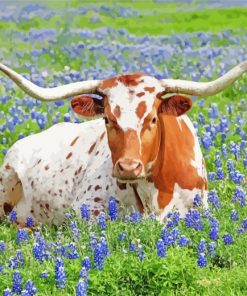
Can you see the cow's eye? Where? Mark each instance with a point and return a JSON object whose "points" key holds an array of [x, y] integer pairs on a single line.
{"points": [[154, 120], [106, 120]]}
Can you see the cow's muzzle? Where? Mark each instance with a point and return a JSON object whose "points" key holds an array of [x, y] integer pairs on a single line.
{"points": [[128, 169]]}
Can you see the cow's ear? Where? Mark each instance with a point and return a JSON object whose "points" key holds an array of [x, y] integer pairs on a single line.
{"points": [[175, 105], [87, 106]]}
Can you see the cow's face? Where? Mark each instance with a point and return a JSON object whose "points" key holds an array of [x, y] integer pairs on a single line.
{"points": [[131, 107]]}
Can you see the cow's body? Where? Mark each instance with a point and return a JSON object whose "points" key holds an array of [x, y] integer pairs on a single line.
{"points": [[45, 174]]}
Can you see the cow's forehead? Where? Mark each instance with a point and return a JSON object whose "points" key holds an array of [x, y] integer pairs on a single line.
{"points": [[131, 98]]}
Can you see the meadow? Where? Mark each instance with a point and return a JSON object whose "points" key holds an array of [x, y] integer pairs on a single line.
{"points": [[54, 43]]}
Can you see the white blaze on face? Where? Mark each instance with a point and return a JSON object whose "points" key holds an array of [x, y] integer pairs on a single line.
{"points": [[127, 99]]}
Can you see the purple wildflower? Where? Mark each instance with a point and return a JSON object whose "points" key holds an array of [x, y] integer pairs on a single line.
{"points": [[60, 274], [17, 282], [227, 239], [85, 212], [201, 261], [161, 249], [112, 209], [193, 220], [81, 288]]}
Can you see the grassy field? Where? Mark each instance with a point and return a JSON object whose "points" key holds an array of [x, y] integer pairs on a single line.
{"points": [[60, 42]]}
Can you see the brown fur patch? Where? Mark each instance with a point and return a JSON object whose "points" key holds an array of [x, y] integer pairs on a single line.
{"points": [[7, 167], [149, 89], [108, 83], [69, 155], [121, 186], [97, 187], [117, 111], [74, 141], [95, 213], [141, 109], [47, 167], [131, 79], [102, 136], [97, 199], [140, 94], [91, 148]]}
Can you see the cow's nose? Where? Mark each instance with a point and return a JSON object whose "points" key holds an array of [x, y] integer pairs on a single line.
{"points": [[127, 168]]}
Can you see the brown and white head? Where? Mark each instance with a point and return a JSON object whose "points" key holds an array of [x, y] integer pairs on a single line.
{"points": [[131, 106]]}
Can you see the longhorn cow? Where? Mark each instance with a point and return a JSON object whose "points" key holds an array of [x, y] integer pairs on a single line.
{"points": [[143, 150]]}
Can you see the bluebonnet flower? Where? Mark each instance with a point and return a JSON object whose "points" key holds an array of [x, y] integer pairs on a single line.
{"points": [[127, 219], [239, 195], [244, 224], [112, 209], [85, 212], [136, 217], [197, 200], [101, 221], [224, 150], [241, 231], [220, 174], [44, 274], [230, 165], [201, 246], [211, 248], [81, 288], [170, 237], [84, 274], [211, 176], [98, 256], [60, 274], [72, 251], [13, 216], [132, 247], [218, 162], [234, 215], [214, 199], [245, 163], [86, 263], [22, 236], [29, 221], [227, 238], [201, 118], [7, 292], [176, 218], [202, 261], [214, 229], [104, 247], [183, 241], [161, 249], [74, 229], [169, 224], [30, 287], [24, 293], [122, 236], [193, 220], [214, 233], [2, 247], [17, 282], [206, 141]]}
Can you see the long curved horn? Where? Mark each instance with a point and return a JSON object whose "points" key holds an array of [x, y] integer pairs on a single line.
{"points": [[204, 88], [54, 93]]}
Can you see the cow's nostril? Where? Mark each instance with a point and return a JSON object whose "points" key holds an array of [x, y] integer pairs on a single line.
{"points": [[120, 167]]}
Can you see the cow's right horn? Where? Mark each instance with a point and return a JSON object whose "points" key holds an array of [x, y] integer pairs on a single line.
{"points": [[54, 93]]}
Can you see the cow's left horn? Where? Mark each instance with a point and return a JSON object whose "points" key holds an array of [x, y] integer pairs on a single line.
{"points": [[54, 93], [204, 88]]}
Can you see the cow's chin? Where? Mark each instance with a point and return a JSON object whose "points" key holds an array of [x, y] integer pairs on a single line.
{"points": [[129, 180]]}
